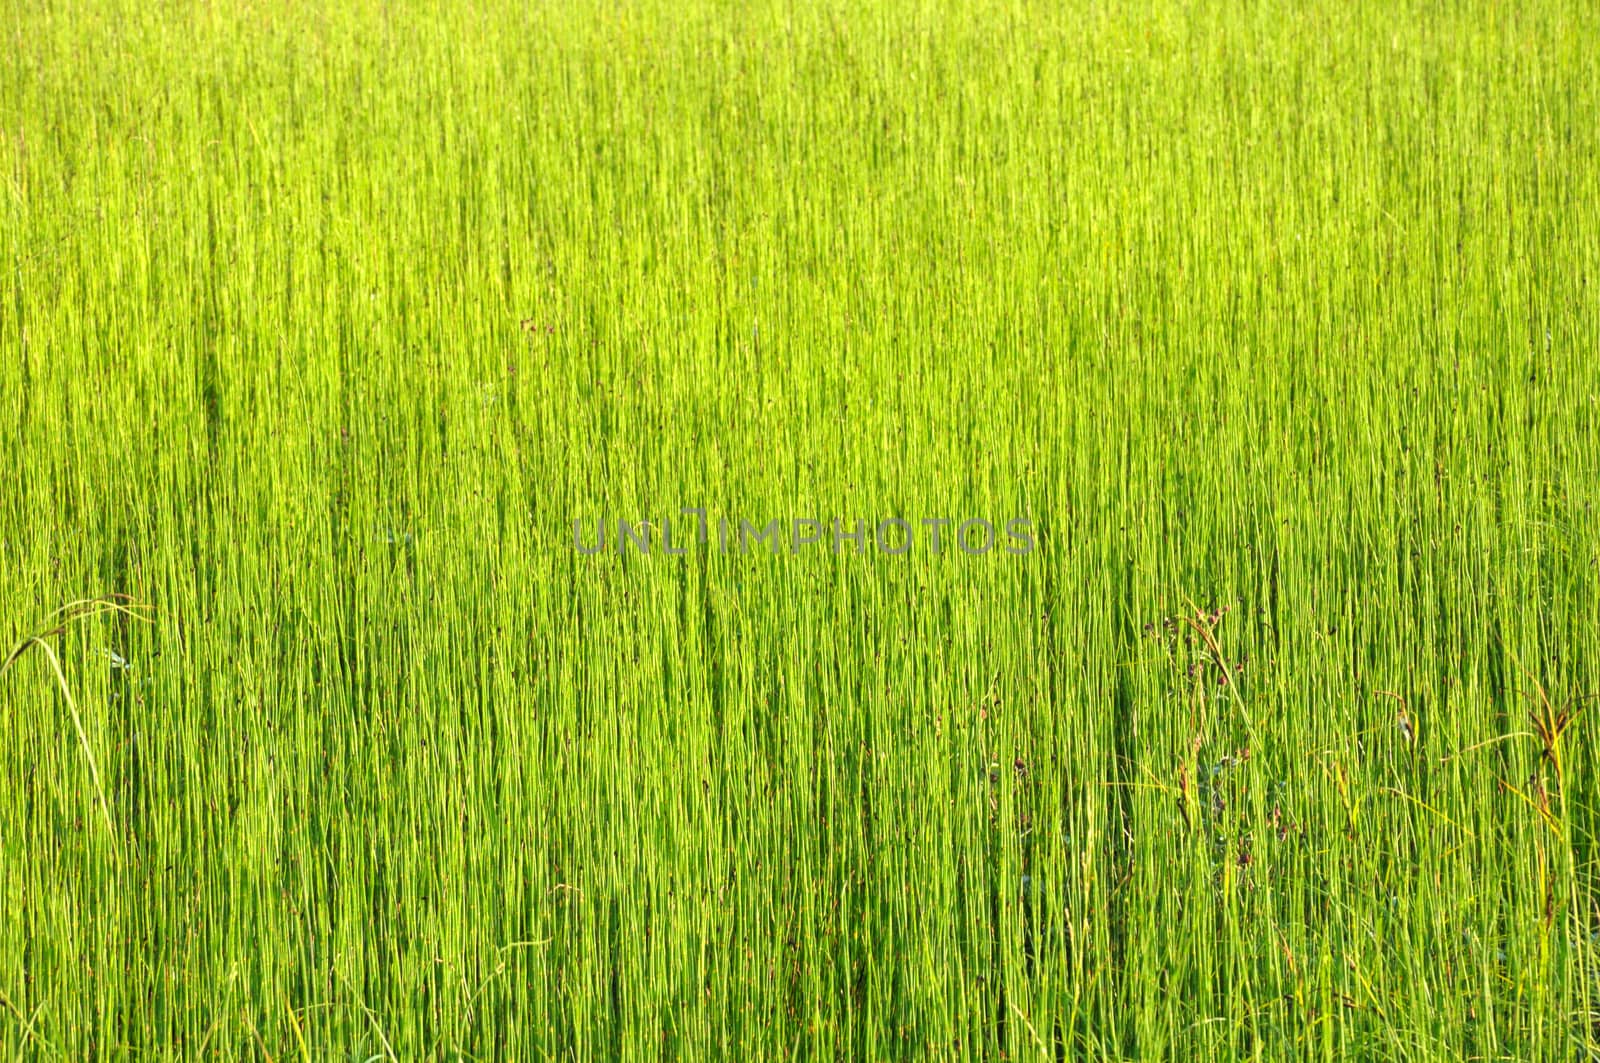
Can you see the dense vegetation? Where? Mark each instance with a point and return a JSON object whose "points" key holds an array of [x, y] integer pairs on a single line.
{"points": [[320, 325]]}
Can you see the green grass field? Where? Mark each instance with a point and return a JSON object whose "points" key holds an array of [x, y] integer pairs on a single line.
{"points": [[321, 325]]}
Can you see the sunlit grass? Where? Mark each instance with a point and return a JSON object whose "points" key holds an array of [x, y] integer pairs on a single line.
{"points": [[319, 328]]}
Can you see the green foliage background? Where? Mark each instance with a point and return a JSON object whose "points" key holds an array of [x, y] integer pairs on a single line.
{"points": [[320, 325]]}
